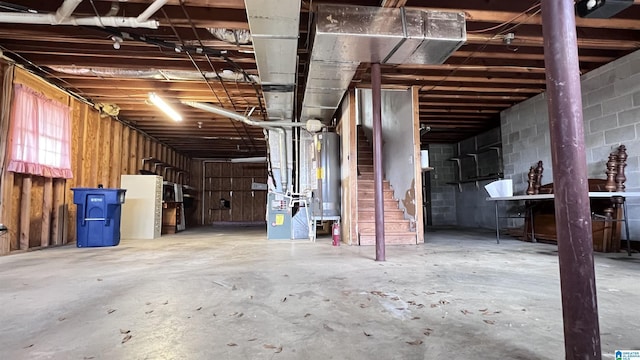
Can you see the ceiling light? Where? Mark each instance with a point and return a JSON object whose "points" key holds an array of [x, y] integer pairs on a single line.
{"points": [[601, 9], [162, 105]]}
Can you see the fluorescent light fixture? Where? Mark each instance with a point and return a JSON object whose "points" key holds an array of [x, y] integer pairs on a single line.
{"points": [[257, 159], [162, 105]]}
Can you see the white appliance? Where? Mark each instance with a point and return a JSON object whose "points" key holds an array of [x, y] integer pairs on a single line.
{"points": [[142, 212]]}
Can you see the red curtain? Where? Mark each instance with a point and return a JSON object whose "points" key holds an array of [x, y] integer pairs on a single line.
{"points": [[41, 135]]}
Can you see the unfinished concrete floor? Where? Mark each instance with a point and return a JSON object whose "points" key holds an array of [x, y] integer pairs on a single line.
{"points": [[231, 294]]}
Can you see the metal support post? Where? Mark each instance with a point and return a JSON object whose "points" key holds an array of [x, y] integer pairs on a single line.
{"points": [[572, 211], [376, 92]]}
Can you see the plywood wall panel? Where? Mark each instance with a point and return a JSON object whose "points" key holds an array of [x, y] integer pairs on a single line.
{"points": [[230, 181], [79, 163], [91, 146], [146, 153], [6, 210], [35, 217], [106, 152], [13, 221], [58, 212], [25, 211], [47, 206], [116, 155], [150, 149], [125, 149], [134, 164]]}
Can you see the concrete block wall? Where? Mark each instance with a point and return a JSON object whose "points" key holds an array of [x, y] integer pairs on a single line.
{"points": [[443, 196], [611, 111], [472, 208]]}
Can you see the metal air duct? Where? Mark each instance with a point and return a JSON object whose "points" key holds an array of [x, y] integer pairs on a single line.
{"points": [[274, 29], [345, 36]]}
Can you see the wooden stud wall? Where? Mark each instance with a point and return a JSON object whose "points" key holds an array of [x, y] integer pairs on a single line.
{"points": [[39, 212]]}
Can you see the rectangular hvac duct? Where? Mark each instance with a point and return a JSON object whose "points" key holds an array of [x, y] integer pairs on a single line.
{"points": [[274, 29], [444, 33], [345, 36]]}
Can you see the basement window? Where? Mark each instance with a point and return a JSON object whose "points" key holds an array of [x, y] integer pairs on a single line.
{"points": [[40, 134]]}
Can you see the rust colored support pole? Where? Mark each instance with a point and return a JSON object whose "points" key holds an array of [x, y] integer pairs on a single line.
{"points": [[573, 218], [376, 94]]}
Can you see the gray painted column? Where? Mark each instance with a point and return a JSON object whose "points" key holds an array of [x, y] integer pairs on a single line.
{"points": [[572, 211], [376, 92]]}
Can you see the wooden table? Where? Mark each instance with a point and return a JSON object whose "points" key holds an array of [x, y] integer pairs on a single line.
{"points": [[592, 195]]}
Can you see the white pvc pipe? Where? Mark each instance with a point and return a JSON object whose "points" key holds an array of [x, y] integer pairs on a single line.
{"points": [[66, 9], [155, 6], [245, 119], [277, 127], [50, 19]]}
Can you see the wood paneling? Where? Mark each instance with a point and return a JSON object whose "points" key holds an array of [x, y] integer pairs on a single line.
{"points": [[417, 185], [47, 212], [106, 152], [39, 212], [231, 182], [58, 215], [125, 149], [116, 153], [25, 213]]}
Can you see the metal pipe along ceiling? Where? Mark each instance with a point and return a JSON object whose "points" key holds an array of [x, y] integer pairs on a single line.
{"points": [[63, 17], [345, 36], [277, 126], [66, 9], [155, 6]]}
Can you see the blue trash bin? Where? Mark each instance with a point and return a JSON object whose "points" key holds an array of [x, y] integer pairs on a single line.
{"points": [[98, 216]]}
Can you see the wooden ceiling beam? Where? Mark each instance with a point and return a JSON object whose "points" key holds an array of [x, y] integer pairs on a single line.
{"points": [[393, 3], [503, 17], [452, 125], [83, 44], [462, 118], [479, 68], [112, 54], [515, 55], [491, 112], [485, 79], [448, 105], [472, 97], [480, 89], [124, 63], [96, 84], [523, 40]]}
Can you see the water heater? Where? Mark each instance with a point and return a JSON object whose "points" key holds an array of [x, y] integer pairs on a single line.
{"points": [[327, 196]]}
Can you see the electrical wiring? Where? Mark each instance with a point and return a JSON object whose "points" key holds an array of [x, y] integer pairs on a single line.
{"points": [[195, 64], [505, 30], [525, 12]]}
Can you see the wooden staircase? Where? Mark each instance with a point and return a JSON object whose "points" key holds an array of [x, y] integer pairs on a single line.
{"points": [[397, 230]]}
